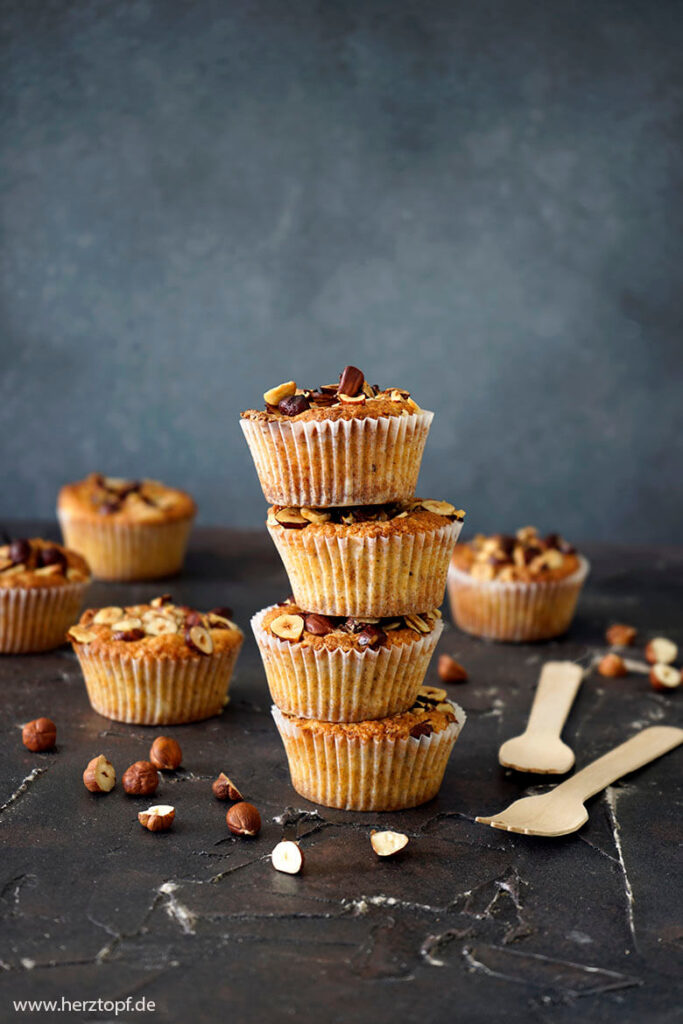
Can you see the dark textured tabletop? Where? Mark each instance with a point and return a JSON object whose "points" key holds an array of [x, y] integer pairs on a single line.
{"points": [[468, 924]]}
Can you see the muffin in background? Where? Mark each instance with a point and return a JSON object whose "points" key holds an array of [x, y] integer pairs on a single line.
{"points": [[515, 588], [41, 592], [156, 663], [126, 529], [338, 444]]}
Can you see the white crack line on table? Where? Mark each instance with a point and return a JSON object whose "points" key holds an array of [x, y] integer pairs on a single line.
{"points": [[23, 787], [611, 803]]}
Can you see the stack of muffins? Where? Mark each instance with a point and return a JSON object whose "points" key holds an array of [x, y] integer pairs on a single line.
{"points": [[346, 655]]}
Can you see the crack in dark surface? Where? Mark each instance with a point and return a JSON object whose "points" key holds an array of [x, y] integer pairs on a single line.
{"points": [[23, 788]]}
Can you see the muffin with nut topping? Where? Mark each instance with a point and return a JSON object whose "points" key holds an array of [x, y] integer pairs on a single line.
{"points": [[348, 443], [41, 592], [516, 588], [343, 669], [157, 663], [371, 560], [126, 529], [381, 765]]}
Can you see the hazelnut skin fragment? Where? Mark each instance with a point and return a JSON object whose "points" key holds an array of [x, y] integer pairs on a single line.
{"points": [[450, 670], [99, 776], [612, 666], [140, 779], [243, 819], [165, 753], [620, 635], [39, 735]]}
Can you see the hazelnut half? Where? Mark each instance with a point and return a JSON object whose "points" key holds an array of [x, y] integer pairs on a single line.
{"points": [[288, 627], [450, 670], [620, 635], [287, 857], [165, 753], [141, 779], [664, 677], [99, 776], [199, 639], [224, 788], [39, 735], [243, 819], [661, 651], [158, 818], [386, 844], [275, 395], [612, 665]]}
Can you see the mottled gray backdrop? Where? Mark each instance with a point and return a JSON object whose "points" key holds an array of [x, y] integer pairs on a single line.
{"points": [[478, 201]]}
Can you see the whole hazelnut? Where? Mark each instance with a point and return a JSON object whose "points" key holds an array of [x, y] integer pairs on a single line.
{"points": [[39, 735], [99, 776], [451, 671], [612, 666], [243, 819], [620, 635], [140, 779], [224, 788], [165, 753]]}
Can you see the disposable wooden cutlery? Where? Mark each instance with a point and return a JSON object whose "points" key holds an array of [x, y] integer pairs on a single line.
{"points": [[562, 810], [539, 748]]}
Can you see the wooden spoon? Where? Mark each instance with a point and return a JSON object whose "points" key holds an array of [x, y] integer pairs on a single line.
{"points": [[561, 811], [539, 748]]}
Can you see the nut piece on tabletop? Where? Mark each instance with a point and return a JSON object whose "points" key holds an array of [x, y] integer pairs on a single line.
{"points": [[386, 844], [39, 735], [450, 670], [165, 753], [620, 635], [661, 651], [612, 666], [158, 818], [140, 779], [99, 776], [224, 788], [243, 819], [288, 857], [665, 677]]}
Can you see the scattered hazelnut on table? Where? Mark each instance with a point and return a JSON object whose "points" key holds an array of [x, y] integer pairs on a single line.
{"points": [[287, 857], [39, 735], [165, 753], [158, 818], [243, 819], [661, 651], [224, 788], [620, 635], [140, 779], [450, 670], [612, 666], [386, 844], [99, 776], [665, 677]]}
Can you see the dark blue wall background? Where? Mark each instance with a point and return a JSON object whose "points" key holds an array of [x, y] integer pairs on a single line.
{"points": [[478, 201]]}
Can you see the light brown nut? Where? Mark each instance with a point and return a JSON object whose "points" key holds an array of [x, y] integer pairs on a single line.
{"points": [[314, 515], [165, 753], [105, 616], [450, 670], [417, 623], [612, 666], [160, 625], [199, 639], [224, 788], [288, 627], [665, 677], [48, 570], [158, 818], [440, 508], [140, 779], [287, 857], [432, 693], [243, 819], [291, 517], [620, 635], [81, 635], [99, 775], [386, 844], [275, 395], [349, 400], [159, 602], [661, 651], [39, 735]]}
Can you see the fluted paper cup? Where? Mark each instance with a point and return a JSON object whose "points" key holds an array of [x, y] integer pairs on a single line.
{"points": [[34, 619], [379, 774], [516, 612], [128, 550], [340, 685], [360, 575], [326, 463]]}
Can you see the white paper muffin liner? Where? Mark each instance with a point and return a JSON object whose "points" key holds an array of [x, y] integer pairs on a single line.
{"points": [[379, 774], [339, 685], [516, 612], [36, 619], [324, 463], [159, 691], [359, 575]]}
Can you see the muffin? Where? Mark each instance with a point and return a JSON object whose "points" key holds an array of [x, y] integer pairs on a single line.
{"points": [[375, 560], [517, 588], [338, 444], [381, 765], [127, 529], [344, 669], [41, 592], [157, 663]]}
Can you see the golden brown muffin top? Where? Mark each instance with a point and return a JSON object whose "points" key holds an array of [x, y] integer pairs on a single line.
{"points": [[525, 557], [37, 563], [159, 629], [135, 501], [417, 515], [351, 398], [287, 621], [431, 713]]}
